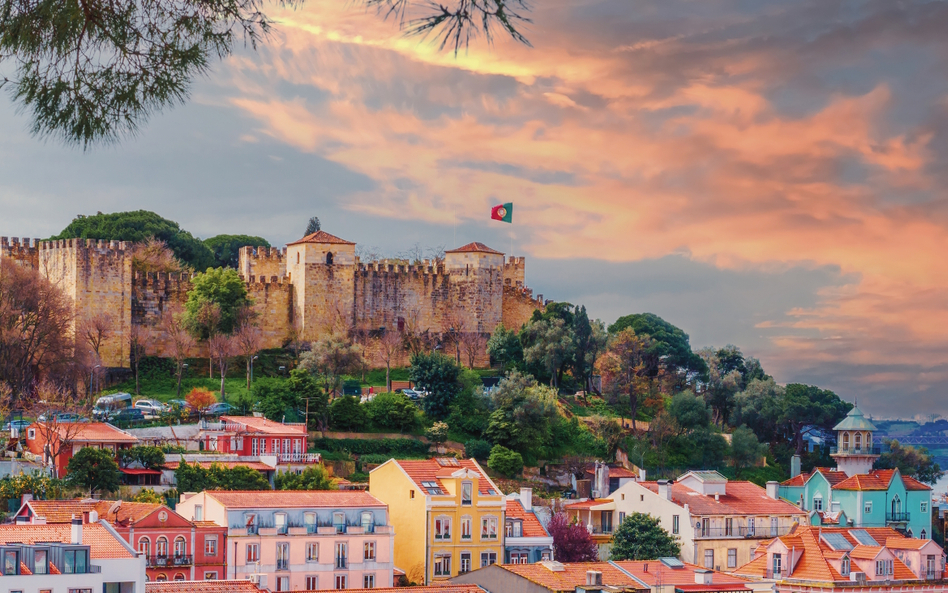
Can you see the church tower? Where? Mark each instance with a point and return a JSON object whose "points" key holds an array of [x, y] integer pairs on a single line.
{"points": [[854, 452]]}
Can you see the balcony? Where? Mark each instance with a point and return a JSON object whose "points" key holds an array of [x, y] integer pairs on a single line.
{"points": [[851, 450], [298, 458], [600, 529], [166, 561], [764, 531], [897, 517]]}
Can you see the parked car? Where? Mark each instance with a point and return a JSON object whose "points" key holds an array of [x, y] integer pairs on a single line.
{"points": [[17, 424], [411, 394], [218, 409], [60, 417], [151, 407], [127, 415], [107, 404]]}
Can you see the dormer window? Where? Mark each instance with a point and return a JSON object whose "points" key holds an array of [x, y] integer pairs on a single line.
{"points": [[40, 562], [281, 524], [339, 521], [432, 487], [844, 569], [11, 561], [467, 493], [251, 523], [817, 503], [76, 562]]}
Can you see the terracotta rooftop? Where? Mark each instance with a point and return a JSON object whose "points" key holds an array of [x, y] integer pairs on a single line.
{"points": [[586, 504], [254, 424], [531, 525], [878, 480], [812, 565], [831, 474], [741, 498], [257, 465], [115, 512], [616, 472], [224, 586], [474, 247], [261, 499], [659, 573], [557, 576], [321, 237], [102, 544], [433, 588], [432, 470], [91, 432]]}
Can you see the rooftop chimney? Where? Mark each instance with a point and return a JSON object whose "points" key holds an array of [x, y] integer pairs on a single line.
{"points": [[593, 577], [704, 577], [664, 490], [75, 531], [642, 475], [794, 466], [526, 498], [772, 488]]}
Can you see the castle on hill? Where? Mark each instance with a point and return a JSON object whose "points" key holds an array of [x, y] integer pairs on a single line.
{"points": [[311, 287]]}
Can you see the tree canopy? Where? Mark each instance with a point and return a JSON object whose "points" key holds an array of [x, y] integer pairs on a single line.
{"points": [[226, 248], [94, 469], [195, 478], [915, 462], [438, 375], [669, 344], [641, 537], [314, 477], [215, 302], [571, 540], [138, 226]]}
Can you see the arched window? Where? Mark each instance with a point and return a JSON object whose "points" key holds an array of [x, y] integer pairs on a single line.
{"points": [[329, 258], [144, 546], [924, 535], [869, 440], [178, 576], [858, 441], [896, 507], [180, 546], [161, 578], [161, 547], [845, 440]]}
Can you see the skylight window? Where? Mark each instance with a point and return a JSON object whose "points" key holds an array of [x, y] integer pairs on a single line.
{"points": [[862, 536], [837, 541]]}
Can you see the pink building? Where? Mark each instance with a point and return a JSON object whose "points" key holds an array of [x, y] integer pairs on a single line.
{"points": [[252, 436], [301, 540]]}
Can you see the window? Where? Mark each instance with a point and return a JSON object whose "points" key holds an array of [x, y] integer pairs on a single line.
{"points": [[844, 566], [732, 557], [312, 582], [161, 547], [254, 447], [283, 556], [179, 576], [488, 558], [883, 567], [924, 535], [276, 446], [75, 561], [251, 524], [340, 581], [342, 555], [283, 583], [368, 524], [210, 575], [817, 503], [465, 562], [777, 565], [519, 558], [309, 520], [210, 545], [858, 441], [442, 528], [280, 521], [180, 547], [621, 517], [467, 494], [489, 527], [40, 565], [867, 508], [312, 552], [329, 258], [31, 433], [297, 257], [924, 507], [253, 553], [709, 559], [465, 528], [729, 526], [411, 494], [442, 565], [368, 551], [339, 521], [773, 526], [263, 446], [750, 526], [368, 581], [675, 525], [432, 487], [286, 446], [144, 546]]}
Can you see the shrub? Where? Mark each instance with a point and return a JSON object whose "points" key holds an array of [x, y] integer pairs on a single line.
{"points": [[392, 411], [504, 461], [200, 398], [390, 447], [477, 449], [345, 413]]}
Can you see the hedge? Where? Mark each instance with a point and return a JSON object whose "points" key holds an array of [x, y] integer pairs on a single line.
{"points": [[373, 446]]}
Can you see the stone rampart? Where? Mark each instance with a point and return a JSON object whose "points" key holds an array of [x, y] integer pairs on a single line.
{"points": [[262, 262]]}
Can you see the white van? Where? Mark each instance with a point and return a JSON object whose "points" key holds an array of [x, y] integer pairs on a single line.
{"points": [[107, 404]]}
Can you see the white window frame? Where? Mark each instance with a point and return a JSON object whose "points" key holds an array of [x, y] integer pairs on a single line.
{"points": [[210, 539], [867, 507], [369, 550], [489, 527], [252, 553], [368, 581], [210, 575], [709, 559], [441, 567], [491, 558], [676, 524], [818, 502], [924, 506], [732, 557], [468, 560], [312, 582], [442, 528], [312, 551], [467, 493], [467, 523]]}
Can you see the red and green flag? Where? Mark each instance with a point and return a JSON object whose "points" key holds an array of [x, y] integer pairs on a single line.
{"points": [[502, 212]]}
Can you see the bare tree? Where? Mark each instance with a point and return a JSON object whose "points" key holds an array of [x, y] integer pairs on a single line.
{"points": [[472, 344], [389, 344], [209, 316], [50, 407], [96, 329], [222, 348], [333, 357], [416, 339], [248, 339], [154, 255], [436, 255], [35, 329], [180, 339], [136, 351]]}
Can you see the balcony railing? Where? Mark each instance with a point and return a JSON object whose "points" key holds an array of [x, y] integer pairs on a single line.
{"points": [[897, 517], [852, 450], [341, 562], [298, 458], [163, 561], [763, 531]]}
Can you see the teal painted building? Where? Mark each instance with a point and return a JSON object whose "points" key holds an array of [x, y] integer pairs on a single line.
{"points": [[854, 494]]}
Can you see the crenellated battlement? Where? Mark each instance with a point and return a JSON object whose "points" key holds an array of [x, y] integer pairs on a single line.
{"points": [[98, 244], [261, 261], [383, 267], [256, 280], [17, 242]]}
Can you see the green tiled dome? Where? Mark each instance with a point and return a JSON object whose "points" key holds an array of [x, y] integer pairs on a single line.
{"points": [[855, 420]]}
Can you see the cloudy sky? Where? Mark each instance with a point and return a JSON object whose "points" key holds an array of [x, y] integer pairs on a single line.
{"points": [[763, 173]]}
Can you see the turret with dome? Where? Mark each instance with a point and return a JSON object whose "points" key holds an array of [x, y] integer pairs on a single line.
{"points": [[855, 453]]}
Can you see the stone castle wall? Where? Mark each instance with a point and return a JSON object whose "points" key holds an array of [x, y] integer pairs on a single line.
{"points": [[291, 288]]}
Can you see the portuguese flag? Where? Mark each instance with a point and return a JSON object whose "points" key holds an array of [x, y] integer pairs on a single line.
{"points": [[502, 212]]}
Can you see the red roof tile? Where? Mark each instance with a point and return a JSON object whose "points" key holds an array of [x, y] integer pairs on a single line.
{"points": [[658, 573], [571, 575], [433, 588], [531, 525], [258, 499], [93, 432], [227, 586], [430, 470], [102, 544], [475, 247], [587, 504], [322, 237], [266, 426], [741, 498], [115, 512]]}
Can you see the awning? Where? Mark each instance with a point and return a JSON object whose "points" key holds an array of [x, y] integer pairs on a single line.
{"points": [[139, 471]]}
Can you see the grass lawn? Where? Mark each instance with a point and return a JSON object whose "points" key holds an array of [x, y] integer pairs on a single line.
{"points": [[165, 389]]}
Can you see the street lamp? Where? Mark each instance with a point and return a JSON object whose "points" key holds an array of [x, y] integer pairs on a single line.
{"points": [[91, 379], [251, 367]]}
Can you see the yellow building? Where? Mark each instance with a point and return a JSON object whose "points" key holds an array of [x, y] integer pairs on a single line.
{"points": [[448, 516]]}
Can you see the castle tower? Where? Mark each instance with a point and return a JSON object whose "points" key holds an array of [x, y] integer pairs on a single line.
{"points": [[477, 275], [321, 268], [854, 452]]}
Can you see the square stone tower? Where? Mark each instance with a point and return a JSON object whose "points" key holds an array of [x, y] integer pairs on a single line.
{"points": [[321, 268], [477, 276]]}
